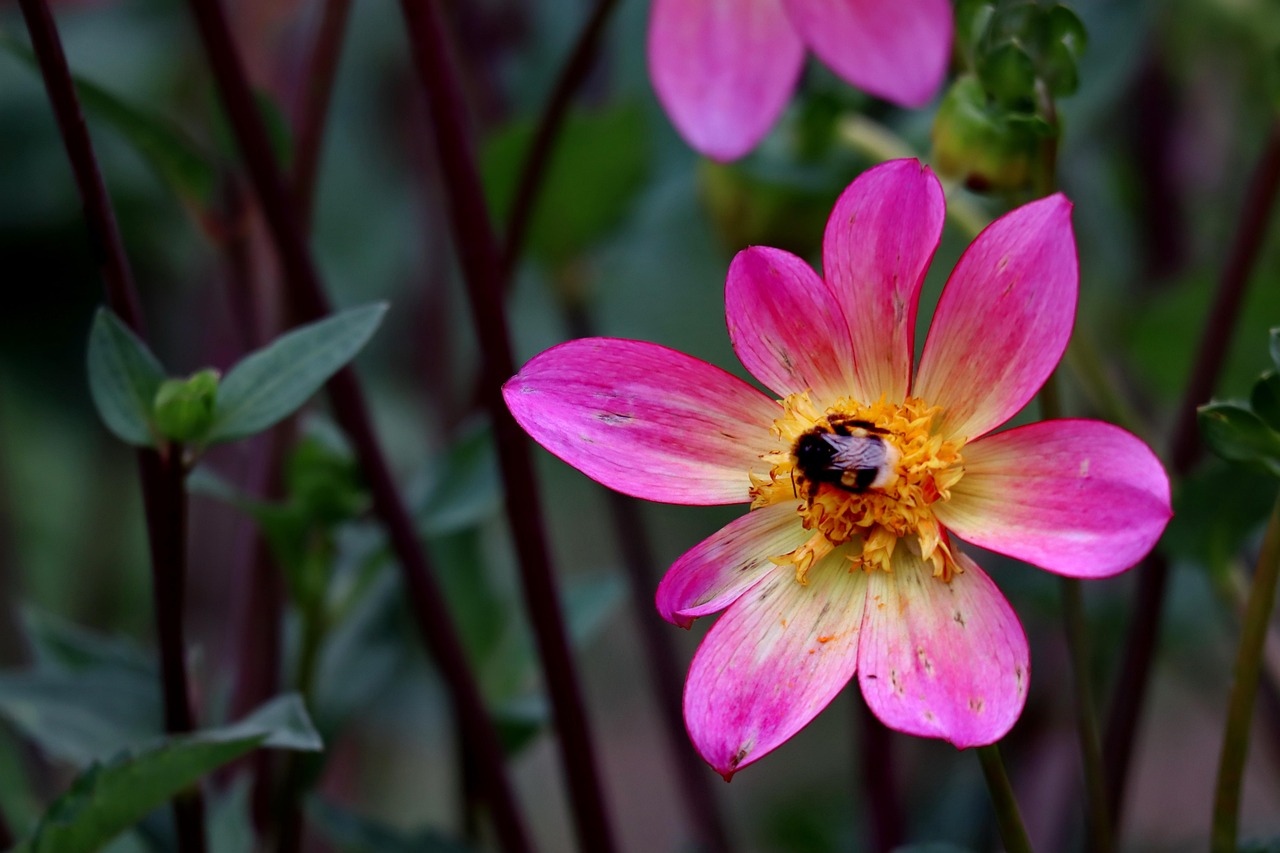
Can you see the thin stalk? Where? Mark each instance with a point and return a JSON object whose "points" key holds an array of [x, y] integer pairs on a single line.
{"points": [[534, 169], [482, 269], [1244, 690], [162, 477], [1135, 670], [322, 70], [1012, 831], [879, 783], [308, 299]]}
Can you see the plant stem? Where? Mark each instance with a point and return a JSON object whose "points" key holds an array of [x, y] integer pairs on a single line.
{"points": [[162, 477], [879, 784], [482, 268], [534, 169], [322, 70], [1012, 832], [1244, 689], [309, 301], [1134, 676]]}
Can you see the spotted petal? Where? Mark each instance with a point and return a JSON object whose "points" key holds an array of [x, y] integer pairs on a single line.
{"points": [[1003, 320], [711, 575], [645, 420], [786, 325], [879, 240], [896, 50], [939, 659], [723, 70], [777, 657], [1081, 498]]}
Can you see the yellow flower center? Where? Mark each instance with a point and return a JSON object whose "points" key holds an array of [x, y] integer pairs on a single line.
{"points": [[868, 475]]}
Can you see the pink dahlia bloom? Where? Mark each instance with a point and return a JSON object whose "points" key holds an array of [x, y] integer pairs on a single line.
{"points": [[724, 69], [861, 476]]}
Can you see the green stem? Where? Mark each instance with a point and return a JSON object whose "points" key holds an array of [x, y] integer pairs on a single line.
{"points": [[1012, 832], [1244, 689]]}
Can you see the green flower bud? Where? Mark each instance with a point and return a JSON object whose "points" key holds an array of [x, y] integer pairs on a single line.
{"points": [[183, 408], [982, 144]]}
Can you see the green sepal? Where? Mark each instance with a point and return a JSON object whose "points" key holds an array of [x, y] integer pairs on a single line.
{"points": [[124, 377], [1265, 399], [1234, 432], [983, 145], [1008, 74], [270, 384], [183, 408]]}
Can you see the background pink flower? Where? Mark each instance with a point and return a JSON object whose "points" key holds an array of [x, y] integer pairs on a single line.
{"points": [[823, 581], [724, 69]]}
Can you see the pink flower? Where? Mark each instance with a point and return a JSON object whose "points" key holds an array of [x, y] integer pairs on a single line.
{"points": [[724, 69], [860, 475]]}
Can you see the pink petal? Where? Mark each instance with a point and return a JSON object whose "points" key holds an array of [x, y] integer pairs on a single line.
{"points": [[711, 575], [723, 70], [1081, 498], [938, 659], [1003, 320], [786, 325], [645, 420], [895, 50], [775, 659], [879, 240]]}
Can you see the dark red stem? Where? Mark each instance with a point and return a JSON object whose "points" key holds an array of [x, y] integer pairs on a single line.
{"points": [[321, 71], [1184, 448], [162, 477], [482, 268], [879, 783], [309, 301]]}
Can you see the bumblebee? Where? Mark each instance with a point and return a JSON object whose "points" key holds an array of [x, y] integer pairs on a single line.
{"points": [[853, 456]]}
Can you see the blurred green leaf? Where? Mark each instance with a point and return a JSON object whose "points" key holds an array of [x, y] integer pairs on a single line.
{"points": [[230, 822], [123, 379], [981, 144], [268, 385], [973, 17], [1234, 432], [1008, 75], [462, 486], [592, 178], [1265, 399], [520, 720], [1275, 347], [176, 158], [1064, 27], [351, 833], [60, 645], [107, 799], [1214, 510]]}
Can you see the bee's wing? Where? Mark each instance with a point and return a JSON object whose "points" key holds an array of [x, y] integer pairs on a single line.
{"points": [[853, 452]]}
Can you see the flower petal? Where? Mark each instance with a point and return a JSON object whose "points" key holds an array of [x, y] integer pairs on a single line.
{"points": [[895, 50], [939, 659], [786, 325], [723, 71], [645, 420], [711, 575], [879, 240], [775, 659], [1077, 497], [1003, 320]]}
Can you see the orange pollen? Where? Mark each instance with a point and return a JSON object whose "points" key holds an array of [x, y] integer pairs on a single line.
{"points": [[867, 476]]}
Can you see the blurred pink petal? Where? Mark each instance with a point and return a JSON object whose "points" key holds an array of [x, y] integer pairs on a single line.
{"points": [[939, 659], [723, 70], [785, 324], [879, 240], [895, 50], [711, 575], [1081, 498], [775, 659], [645, 420], [1003, 321]]}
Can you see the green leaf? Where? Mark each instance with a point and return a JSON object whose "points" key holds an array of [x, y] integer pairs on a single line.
{"points": [[270, 384], [1234, 432], [1064, 27], [176, 158], [1008, 75], [1215, 509], [123, 379], [1275, 347], [463, 485], [59, 645], [350, 833], [1265, 399], [594, 174], [106, 800]]}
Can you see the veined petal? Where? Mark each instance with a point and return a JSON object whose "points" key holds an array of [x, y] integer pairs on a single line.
{"points": [[645, 420], [876, 250], [786, 326], [895, 50], [723, 69], [1076, 497], [942, 659], [775, 659], [1003, 320], [711, 575]]}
